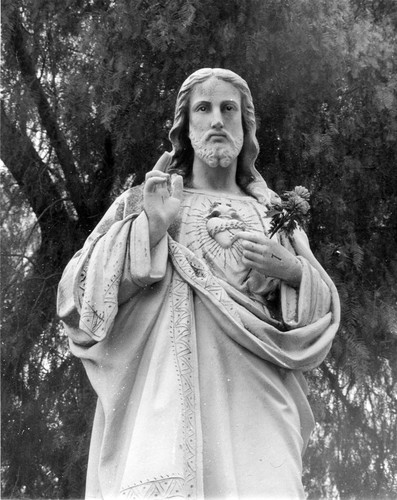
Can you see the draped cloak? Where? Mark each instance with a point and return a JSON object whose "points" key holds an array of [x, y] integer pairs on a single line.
{"points": [[197, 362]]}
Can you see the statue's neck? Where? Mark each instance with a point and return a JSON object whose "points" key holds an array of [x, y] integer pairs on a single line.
{"points": [[217, 179]]}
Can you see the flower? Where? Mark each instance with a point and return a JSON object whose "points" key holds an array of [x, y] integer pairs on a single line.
{"points": [[302, 192], [292, 211]]}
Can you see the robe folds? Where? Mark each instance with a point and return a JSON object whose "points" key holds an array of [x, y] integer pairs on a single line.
{"points": [[196, 361]]}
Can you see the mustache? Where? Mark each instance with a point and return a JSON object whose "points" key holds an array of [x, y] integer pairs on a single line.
{"points": [[222, 133]]}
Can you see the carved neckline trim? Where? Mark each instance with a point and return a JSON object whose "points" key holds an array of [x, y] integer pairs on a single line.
{"points": [[219, 194]]}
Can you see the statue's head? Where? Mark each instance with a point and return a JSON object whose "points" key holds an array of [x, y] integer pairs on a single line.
{"points": [[179, 134]]}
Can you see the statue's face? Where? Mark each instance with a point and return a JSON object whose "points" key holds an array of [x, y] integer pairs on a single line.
{"points": [[215, 122]]}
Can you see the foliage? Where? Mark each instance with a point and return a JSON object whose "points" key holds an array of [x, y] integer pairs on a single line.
{"points": [[89, 89]]}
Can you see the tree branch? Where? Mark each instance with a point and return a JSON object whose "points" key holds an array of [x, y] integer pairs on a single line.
{"points": [[28, 169], [355, 412], [48, 119]]}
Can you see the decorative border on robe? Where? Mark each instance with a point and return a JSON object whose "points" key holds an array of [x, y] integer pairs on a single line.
{"points": [[160, 489], [183, 344]]}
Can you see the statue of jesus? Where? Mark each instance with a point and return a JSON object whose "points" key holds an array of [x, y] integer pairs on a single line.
{"points": [[193, 325]]}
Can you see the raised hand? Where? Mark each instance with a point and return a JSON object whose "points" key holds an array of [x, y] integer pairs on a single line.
{"points": [[268, 257], [162, 197]]}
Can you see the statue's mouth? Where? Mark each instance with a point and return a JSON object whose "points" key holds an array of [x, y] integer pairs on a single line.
{"points": [[217, 135]]}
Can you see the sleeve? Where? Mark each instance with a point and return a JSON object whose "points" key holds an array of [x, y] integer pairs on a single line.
{"points": [[115, 263], [316, 295]]}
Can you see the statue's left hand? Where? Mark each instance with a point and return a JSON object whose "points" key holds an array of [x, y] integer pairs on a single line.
{"points": [[268, 257]]}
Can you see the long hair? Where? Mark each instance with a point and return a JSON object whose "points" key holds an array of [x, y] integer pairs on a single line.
{"points": [[179, 133]]}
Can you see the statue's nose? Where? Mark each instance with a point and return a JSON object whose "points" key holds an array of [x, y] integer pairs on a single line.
{"points": [[217, 121]]}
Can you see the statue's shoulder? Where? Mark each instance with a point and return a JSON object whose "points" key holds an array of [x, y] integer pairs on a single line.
{"points": [[259, 190], [130, 201], [133, 195]]}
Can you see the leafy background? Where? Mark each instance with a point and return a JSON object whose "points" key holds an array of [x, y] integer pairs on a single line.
{"points": [[88, 93]]}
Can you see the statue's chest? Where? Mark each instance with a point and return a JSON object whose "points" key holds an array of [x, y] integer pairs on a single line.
{"points": [[209, 226]]}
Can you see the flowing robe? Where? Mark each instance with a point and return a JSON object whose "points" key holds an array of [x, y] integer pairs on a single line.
{"points": [[196, 361]]}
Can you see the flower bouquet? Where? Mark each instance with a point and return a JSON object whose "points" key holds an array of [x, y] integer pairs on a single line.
{"points": [[291, 211]]}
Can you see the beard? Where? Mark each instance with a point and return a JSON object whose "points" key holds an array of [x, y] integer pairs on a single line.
{"points": [[216, 154]]}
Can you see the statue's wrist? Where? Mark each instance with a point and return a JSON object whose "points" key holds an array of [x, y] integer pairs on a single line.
{"points": [[295, 274], [157, 231]]}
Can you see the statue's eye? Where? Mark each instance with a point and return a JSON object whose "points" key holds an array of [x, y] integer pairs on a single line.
{"points": [[215, 213], [229, 107]]}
